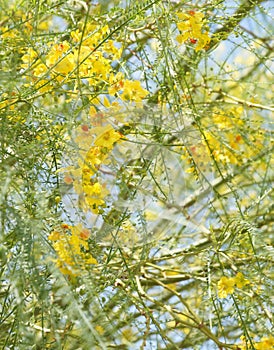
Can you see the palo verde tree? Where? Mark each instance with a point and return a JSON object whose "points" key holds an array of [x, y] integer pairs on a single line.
{"points": [[136, 174]]}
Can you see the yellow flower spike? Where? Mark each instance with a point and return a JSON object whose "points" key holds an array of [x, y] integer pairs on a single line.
{"points": [[63, 251], [76, 243]]}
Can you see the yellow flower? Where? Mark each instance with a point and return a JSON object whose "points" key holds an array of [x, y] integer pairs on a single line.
{"points": [[54, 236], [94, 203], [44, 25], [265, 343], [225, 286], [107, 137], [8, 33], [133, 91], [192, 29], [116, 83], [71, 246], [99, 69], [91, 260], [65, 66], [80, 231], [59, 59], [29, 58], [40, 70], [112, 50], [56, 52], [240, 281], [93, 189], [99, 329]]}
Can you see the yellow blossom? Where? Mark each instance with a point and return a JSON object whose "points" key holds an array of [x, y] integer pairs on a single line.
{"points": [[71, 246], [192, 29], [99, 329], [92, 159], [225, 286], [40, 70], [44, 25], [93, 189], [59, 59], [116, 83], [29, 57], [240, 281], [56, 52], [65, 66], [133, 91], [107, 137], [265, 343], [54, 236], [112, 50], [8, 33], [94, 204], [91, 260], [80, 231]]}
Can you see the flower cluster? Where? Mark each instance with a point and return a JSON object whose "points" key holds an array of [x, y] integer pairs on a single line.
{"points": [[225, 140], [94, 145], [226, 285], [264, 344], [85, 59], [10, 33], [228, 140], [191, 27], [64, 62], [84, 62], [71, 246]]}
